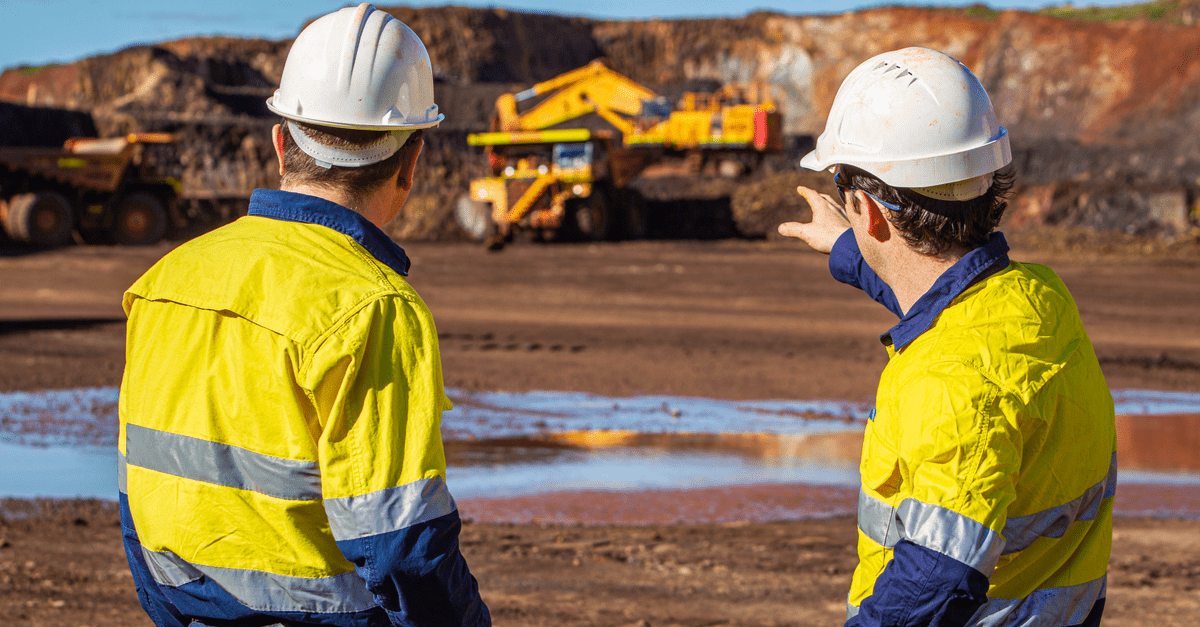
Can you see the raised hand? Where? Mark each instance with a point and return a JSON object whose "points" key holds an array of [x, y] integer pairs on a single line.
{"points": [[828, 221]]}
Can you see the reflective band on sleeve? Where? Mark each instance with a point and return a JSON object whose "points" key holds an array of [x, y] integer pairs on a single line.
{"points": [[932, 527], [951, 534], [851, 610], [222, 464], [388, 510], [268, 592], [122, 473], [1022, 531], [875, 520], [1069, 605]]}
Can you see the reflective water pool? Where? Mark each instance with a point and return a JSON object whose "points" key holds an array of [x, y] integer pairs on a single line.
{"points": [[61, 443]]}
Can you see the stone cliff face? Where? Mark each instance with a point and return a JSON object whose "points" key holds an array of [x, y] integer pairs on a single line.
{"points": [[1092, 106]]}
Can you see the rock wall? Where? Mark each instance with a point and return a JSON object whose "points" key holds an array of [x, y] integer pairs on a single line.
{"points": [[1093, 104]]}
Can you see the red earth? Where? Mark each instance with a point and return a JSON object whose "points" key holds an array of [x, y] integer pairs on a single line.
{"points": [[732, 320]]}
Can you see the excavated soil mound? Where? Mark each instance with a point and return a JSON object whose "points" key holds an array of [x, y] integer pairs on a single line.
{"points": [[1101, 104]]}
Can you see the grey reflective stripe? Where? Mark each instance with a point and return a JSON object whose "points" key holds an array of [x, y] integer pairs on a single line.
{"points": [[851, 610], [388, 510], [169, 569], [1068, 605], [1021, 531], [932, 527], [875, 520], [950, 534], [222, 464], [267, 592], [122, 482]]}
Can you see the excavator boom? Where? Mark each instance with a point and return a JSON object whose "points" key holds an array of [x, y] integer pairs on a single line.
{"points": [[550, 173], [572, 95]]}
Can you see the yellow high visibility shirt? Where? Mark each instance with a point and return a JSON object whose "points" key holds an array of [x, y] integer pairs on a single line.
{"points": [[989, 464], [280, 428]]}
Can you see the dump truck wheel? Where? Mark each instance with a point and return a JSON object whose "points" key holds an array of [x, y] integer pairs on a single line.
{"points": [[590, 217], [41, 218], [474, 217], [634, 214], [140, 220]]}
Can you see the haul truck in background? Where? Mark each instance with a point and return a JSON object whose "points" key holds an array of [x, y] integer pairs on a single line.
{"points": [[555, 172], [101, 188]]}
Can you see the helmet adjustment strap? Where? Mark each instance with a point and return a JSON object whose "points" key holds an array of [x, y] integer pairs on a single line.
{"points": [[968, 189], [329, 156]]}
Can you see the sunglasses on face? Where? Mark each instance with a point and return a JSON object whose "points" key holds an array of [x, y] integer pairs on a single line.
{"points": [[842, 186]]}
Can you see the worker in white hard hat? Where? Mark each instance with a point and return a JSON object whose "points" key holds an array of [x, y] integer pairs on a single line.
{"points": [[280, 452], [989, 462]]}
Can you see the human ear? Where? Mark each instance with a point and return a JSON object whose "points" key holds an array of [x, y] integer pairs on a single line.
{"points": [[877, 224], [408, 165], [277, 142]]}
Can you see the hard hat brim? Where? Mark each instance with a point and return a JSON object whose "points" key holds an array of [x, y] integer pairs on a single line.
{"points": [[923, 171], [364, 127]]}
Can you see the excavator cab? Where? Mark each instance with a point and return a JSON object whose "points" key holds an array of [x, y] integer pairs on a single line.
{"points": [[553, 172], [574, 156]]}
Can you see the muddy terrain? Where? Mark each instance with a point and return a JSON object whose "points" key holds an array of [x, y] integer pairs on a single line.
{"points": [[733, 319], [63, 565]]}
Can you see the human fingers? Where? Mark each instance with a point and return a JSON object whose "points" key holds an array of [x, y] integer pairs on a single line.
{"points": [[792, 229]]}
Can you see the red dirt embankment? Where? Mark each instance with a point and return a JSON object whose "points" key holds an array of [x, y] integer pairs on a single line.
{"points": [[1102, 114]]}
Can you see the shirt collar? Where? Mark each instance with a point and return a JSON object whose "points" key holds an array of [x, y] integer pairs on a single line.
{"points": [[982, 262], [294, 207]]}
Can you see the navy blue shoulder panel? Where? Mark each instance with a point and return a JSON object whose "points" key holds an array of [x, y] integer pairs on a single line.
{"points": [[293, 207], [846, 264], [922, 587], [982, 262]]}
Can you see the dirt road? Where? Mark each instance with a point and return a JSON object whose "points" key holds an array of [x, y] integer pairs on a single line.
{"points": [[735, 320], [63, 565]]}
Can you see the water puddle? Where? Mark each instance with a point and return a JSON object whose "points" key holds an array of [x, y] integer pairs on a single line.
{"points": [[510, 445], [58, 471]]}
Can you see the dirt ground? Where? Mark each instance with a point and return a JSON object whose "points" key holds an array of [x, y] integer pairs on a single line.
{"points": [[725, 319]]}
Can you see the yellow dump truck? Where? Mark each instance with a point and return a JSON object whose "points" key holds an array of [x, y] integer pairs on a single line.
{"points": [[556, 171], [90, 185]]}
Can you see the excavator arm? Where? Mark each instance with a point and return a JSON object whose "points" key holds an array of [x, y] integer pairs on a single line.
{"points": [[593, 87]]}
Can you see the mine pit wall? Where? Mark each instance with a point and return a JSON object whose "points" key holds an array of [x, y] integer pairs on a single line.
{"points": [[1103, 116]]}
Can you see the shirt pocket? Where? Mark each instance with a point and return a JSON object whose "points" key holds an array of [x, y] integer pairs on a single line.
{"points": [[880, 464]]}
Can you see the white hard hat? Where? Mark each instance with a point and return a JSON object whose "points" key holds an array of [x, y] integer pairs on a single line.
{"points": [[358, 68], [915, 118]]}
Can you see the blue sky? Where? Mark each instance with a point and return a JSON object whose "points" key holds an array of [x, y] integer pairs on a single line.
{"points": [[40, 32]]}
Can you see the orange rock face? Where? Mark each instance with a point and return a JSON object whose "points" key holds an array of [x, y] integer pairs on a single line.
{"points": [[1109, 106]]}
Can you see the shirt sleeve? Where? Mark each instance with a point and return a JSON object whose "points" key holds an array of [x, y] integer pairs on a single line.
{"points": [[847, 265], [377, 386], [959, 456]]}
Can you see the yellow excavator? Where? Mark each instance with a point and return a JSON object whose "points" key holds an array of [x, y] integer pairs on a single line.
{"points": [[556, 170]]}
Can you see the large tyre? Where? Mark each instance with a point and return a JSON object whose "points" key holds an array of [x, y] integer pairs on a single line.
{"points": [[634, 213], [40, 218], [474, 217], [591, 218], [139, 220]]}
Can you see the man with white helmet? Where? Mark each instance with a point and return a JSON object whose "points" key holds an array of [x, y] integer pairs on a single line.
{"points": [[280, 451], [989, 464]]}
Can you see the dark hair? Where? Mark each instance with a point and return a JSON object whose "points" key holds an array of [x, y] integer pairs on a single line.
{"points": [[358, 183], [931, 226]]}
